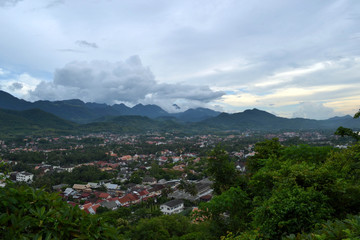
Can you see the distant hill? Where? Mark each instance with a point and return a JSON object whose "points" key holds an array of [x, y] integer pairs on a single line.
{"points": [[77, 111], [32, 121], [7, 101], [41, 116], [260, 120], [131, 124], [36, 121], [196, 115]]}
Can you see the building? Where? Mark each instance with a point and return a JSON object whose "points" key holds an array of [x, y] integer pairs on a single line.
{"points": [[172, 207], [24, 177]]}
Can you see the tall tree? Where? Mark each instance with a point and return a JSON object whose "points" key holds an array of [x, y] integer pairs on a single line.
{"points": [[221, 170]]}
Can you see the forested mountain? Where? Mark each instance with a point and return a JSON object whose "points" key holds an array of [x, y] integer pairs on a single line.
{"points": [[32, 121], [77, 111], [202, 118], [39, 121], [261, 120]]}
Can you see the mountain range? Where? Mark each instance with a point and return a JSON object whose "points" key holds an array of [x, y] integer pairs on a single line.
{"points": [[77, 111], [74, 116]]}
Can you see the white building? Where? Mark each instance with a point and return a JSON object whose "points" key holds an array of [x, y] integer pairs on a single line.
{"points": [[24, 177], [171, 207]]}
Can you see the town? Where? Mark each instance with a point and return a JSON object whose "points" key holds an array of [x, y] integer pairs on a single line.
{"points": [[111, 171]]}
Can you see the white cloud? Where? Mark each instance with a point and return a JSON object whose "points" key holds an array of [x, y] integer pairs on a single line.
{"points": [[313, 110], [19, 85], [128, 81]]}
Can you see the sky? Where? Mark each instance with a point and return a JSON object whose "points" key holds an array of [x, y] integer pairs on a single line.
{"points": [[298, 58]]}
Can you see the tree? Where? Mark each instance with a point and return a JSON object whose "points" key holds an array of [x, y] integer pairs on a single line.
{"points": [[221, 170], [166, 227], [341, 131], [264, 150], [291, 210], [26, 213], [227, 212]]}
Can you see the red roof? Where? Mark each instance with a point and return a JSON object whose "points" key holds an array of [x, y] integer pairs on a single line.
{"points": [[128, 198], [87, 205], [94, 207], [84, 194], [113, 199], [144, 192], [124, 200], [133, 197], [104, 195]]}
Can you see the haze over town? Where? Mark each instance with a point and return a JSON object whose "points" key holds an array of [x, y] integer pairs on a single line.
{"points": [[291, 58]]}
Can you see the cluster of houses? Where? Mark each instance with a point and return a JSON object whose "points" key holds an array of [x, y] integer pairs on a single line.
{"points": [[89, 198]]}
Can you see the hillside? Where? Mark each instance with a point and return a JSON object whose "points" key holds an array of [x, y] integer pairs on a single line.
{"points": [[260, 120], [77, 111], [32, 121]]}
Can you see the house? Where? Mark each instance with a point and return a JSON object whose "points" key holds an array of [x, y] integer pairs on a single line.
{"points": [[172, 207], [129, 199], [24, 177], [69, 191], [68, 168], [90, 208], [111, 205], [103, 195], [111, 186], [156, 190], [93, 185], [81, 187], [149, 180]]}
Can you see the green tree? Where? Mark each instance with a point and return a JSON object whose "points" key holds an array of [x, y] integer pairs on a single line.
{"points": [[221, 170], [227, 212], [341, 131], [26, 213], [166, 227], [291, 210], [264, 150]]}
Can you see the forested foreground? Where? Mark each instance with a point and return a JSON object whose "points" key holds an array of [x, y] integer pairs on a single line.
{"points": [[297, 192]]}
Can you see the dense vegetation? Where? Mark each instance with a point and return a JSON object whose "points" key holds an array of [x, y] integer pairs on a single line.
{"points": [[26, 213], [295, 192], [290, 190]]}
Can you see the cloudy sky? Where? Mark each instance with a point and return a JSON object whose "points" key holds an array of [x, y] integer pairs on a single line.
{"points": [[298, 58]]}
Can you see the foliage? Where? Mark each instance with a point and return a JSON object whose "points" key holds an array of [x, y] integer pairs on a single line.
{"points": [[221, 170], [264, 150], [291, 210], [342, 131], [288, 190], [34, 214], [166, 227], [348, 228], [229, 211]]}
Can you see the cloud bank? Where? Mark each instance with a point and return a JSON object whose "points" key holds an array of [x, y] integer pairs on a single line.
{"points": [[127, 81], [313, 110]]}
